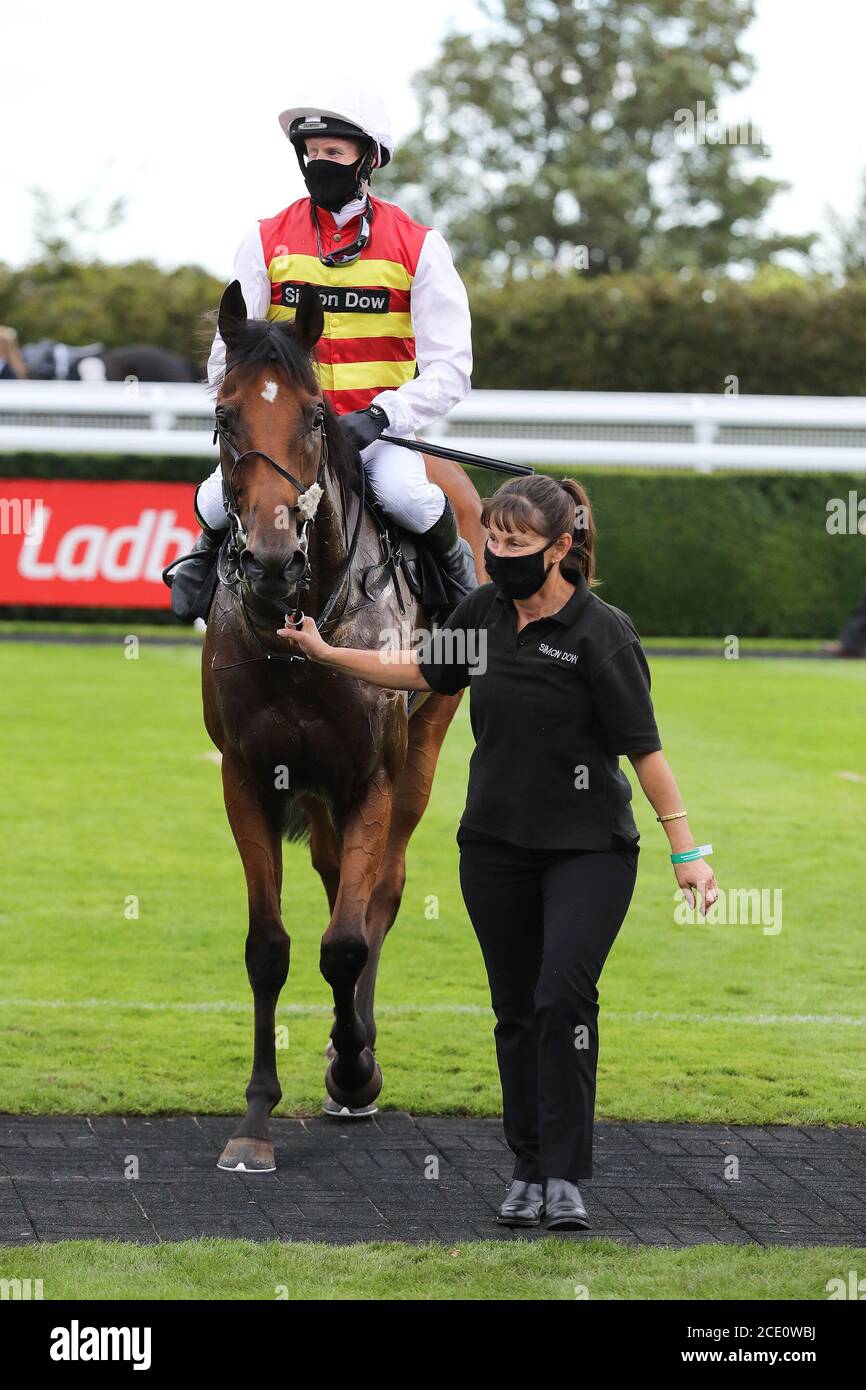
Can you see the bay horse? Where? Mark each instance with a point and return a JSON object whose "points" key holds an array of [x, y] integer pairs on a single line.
{"points": [[48, 360], [306, 750]]}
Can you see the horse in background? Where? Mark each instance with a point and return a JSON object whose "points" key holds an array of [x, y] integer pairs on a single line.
{"points": [[49, 360]]}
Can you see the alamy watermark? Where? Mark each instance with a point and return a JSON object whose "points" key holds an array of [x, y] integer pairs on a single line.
{"points": [[23, 516], [846, 515], [443, 646], [703, 127], [734, 907]]}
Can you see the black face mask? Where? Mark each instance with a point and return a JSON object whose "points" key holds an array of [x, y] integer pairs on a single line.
{"points": [[518, 576], [330, 184]]}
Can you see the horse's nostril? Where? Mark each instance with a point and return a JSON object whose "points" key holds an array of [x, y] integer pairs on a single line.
{"points": [[277, 569], [252, 567]]}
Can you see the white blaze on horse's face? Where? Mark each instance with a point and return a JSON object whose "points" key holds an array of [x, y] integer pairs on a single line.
{"points": [[269, 393]]}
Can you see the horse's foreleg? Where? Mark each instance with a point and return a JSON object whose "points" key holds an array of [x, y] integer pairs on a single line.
{"points": [[353, 1078], [427, 730], [324, 846], [257, 835]]}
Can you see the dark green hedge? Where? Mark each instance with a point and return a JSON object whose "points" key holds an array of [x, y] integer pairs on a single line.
{"points": [[685, 554], [778, 334], [698, 555], [131, 468], [115, 304]]}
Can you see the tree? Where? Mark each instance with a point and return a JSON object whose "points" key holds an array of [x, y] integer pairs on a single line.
{"points": [[583, 132], [59, 232], [849, 240], [71, 296]]}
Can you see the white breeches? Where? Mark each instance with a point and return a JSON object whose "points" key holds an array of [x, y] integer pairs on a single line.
{"points": [[399, 482], [397, 477]]}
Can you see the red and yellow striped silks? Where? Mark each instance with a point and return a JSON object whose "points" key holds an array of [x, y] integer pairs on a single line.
{"points": [[368, 344]]}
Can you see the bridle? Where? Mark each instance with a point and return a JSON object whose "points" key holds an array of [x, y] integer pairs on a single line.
{"points": [[309, 496], [307, 509]]}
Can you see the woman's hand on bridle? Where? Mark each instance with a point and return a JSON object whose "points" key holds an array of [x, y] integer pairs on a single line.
{"points": [[306, 636]]}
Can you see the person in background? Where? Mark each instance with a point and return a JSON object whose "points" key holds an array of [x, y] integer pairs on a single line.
{"points": [[12, 364], [559, 691], [852, 639]]}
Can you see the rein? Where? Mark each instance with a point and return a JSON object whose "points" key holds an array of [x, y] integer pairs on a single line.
{"points": [[309, 496]]}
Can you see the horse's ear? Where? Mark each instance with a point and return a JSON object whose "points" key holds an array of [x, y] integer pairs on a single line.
{"points": [[309, 317], [233, 312]]}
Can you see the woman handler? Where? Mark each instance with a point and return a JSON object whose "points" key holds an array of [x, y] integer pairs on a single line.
{"points": [[559, 688]]}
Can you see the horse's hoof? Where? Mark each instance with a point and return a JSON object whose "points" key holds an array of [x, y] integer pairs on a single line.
{"points": [[248, 1156], [362, 1096], [348, 1112]]}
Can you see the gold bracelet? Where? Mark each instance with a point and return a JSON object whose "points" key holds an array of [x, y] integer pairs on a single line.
{"points": [[677, 815]]}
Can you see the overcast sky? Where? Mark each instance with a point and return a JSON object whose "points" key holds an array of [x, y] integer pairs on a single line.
{"points": [[176, 104]]}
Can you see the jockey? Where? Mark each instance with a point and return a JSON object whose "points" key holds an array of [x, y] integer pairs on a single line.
{"points": [[393, 303]]}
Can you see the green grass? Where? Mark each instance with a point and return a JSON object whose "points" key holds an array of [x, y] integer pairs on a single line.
{"points": [[16, 626], [23, 626], [747, 644], [548, 1268], [114, 795]]}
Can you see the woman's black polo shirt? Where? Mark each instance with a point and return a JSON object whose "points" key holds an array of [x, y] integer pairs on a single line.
{"points": [[552, 707]]}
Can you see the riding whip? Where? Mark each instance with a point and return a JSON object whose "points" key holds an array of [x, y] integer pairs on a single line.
{"points": [[443, 452]]}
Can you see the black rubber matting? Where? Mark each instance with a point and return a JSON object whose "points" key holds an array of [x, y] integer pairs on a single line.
{"points": [[412, 1178]]}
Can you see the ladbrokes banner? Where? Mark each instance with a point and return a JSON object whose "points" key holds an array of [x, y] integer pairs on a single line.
{"points": [[78, 544]]}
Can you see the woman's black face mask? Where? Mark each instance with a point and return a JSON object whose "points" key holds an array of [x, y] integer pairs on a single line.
{"points": [[518, 576], [330, 184]]}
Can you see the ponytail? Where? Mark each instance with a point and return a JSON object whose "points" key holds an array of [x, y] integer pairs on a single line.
{"points": [[581, 558]]}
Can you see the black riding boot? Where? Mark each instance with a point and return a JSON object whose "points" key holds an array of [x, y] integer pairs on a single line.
{"points": [[454, 558], [194, 579]]}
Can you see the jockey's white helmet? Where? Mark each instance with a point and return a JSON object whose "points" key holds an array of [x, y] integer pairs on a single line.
{"points": [[340, 101]]}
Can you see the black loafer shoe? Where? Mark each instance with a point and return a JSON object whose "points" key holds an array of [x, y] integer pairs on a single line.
{"points": [[522, 1206], [563, 1206]]}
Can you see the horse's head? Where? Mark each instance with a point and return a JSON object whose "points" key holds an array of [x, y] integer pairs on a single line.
{"points": [[270, 415]]}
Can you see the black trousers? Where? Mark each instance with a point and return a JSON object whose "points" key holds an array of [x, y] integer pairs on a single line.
{"points": [[545, 921]]}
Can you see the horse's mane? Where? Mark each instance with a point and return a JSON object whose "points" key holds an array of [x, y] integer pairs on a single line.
{"points": [[261, 341]]}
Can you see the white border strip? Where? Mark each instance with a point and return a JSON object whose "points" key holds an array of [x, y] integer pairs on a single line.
{"points": [[224, 1006]]}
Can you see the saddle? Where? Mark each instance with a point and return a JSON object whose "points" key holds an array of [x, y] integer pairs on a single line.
{"points": [[401, 554]]}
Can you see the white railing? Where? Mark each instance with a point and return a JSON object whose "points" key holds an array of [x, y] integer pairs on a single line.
{"points": [[616, 429]]}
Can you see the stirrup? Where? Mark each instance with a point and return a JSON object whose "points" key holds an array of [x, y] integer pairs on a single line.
{"points": [[192, 578]]}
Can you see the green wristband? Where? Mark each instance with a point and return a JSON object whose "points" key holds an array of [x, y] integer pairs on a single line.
{"points": [[688, 855]]}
